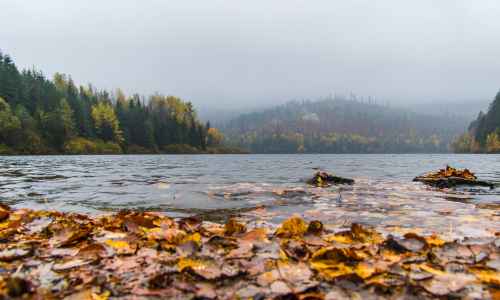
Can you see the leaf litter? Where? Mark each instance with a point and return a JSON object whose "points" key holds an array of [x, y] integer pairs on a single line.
{"points": [[145, 255]]}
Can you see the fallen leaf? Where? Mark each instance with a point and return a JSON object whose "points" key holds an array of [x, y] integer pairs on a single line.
{"points": [[205, 268], [486, 275], [120, 246], [9, 255], [75, 263], [293, 227], [234, 227]]}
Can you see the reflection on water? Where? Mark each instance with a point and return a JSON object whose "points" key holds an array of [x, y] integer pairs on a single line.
{"points": [[268, 186]]}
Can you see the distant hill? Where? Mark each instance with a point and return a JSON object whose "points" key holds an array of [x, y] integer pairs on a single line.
{"points": [[464, 109], [337, 125]]}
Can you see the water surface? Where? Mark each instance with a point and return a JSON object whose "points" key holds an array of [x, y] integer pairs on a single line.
{"points": [[270, 187]]}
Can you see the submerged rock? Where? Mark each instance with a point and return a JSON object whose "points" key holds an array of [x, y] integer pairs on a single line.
{"points": [[322, 179], [451, 177]]}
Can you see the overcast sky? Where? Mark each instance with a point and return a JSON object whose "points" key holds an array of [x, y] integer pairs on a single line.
{"points": [[227, 53]]}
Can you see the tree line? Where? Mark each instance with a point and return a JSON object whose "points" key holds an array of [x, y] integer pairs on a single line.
{"points": [[341, 125], [43, 116], [483, 134]]}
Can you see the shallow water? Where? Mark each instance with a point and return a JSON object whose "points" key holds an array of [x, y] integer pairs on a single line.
{"points": [[270, 187]]}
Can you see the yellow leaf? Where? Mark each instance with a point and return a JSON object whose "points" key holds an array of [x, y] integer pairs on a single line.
{"points": [[486, 275], [195, 237], [364, 270], [102, 296], [429, 269], [117, 244], [434, 240], [120, 246], [341, 237], [293, 227], [329, 271]]}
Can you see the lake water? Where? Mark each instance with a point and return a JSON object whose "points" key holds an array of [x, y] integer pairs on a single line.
{"points": [[264, 187]]}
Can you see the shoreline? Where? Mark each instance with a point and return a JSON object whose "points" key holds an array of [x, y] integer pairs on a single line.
{"points": [[146, 255]]}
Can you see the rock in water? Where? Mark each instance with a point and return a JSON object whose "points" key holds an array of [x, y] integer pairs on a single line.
{"points": [[451, 177], [324, 179]]}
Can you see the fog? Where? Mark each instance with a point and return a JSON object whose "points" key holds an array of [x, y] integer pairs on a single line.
{"points": [[229, 54]]}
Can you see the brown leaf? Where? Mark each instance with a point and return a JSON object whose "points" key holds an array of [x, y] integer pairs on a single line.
{"points": [[190, 224], [315, 228], [69, 235], [446, 283], [296, 250], [4, 212], [255, 236], [14, 287], [71, 264], [92, 251], [365, 234], [234, 227], [244, 250]]}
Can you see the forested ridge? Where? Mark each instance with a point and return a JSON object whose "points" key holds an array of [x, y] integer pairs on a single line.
{"points": [[341, 125], [43, 116], [483, 135]]}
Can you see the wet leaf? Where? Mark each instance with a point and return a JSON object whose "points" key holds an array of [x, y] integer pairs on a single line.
{"points": [[486, 275], [75, 263], [434, 240], [146, 255], [256, 236], [280, 288], [295, 250], [195, 238], [205, 268], [365, 234], [69, 235], [344, 237], [88, 294], [294, 273], [386, 280], [37, 225], [446, 283], [13, 287], [4, 212], [315, 228], [244, 250], [332, 262], [190, 224], [365, 270], [120, 246], [234, 227], [13, 254], [92, 251], [293, 227]]}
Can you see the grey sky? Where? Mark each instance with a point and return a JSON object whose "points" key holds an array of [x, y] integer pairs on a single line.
{"points": [[226, 53]]}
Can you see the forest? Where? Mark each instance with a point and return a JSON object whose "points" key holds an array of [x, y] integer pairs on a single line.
{"points": [[341, 125], [483, 134], [39, 115], [43, 116]]}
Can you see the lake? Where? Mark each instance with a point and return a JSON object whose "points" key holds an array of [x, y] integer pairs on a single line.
{"points": [[267, 188]]}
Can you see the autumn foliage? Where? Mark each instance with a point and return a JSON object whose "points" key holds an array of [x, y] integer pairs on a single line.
{"points": [[136, 255], [451, 177]]}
